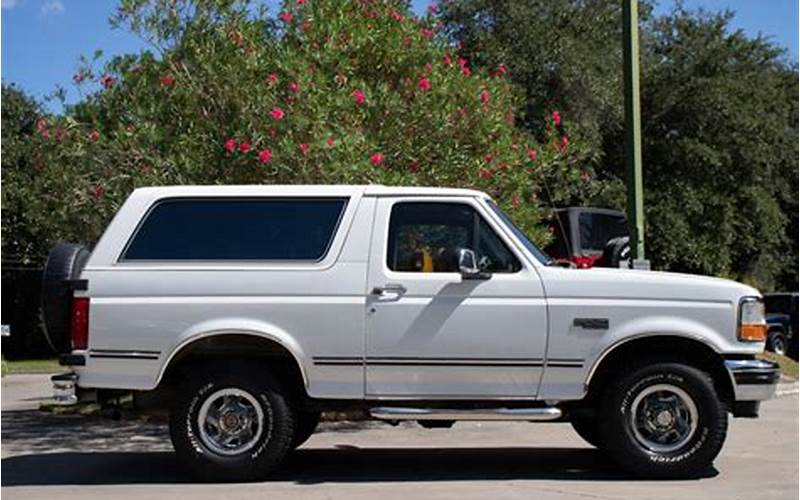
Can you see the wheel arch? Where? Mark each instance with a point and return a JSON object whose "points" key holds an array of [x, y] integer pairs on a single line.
{"points": [[687, 348], [235, 342]]}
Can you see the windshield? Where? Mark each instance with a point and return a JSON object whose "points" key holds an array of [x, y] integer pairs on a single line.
{"points": [[531, 246]]}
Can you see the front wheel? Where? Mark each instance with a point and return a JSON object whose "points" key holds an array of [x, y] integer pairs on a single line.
{"points": [[306, 425], [664, 420], [589, 430], [231, 423]]}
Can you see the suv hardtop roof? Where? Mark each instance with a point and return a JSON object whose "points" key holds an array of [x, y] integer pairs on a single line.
{"points": [[303, 190]]}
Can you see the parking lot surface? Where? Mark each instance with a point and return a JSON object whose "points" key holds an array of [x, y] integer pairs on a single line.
{"points": [[55, 457]]}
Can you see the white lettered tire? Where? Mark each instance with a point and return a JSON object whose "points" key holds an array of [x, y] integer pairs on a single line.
{"points": [[664, 419], [231, 422]]}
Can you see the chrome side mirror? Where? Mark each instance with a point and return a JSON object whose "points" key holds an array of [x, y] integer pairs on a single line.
{"points": [[468, 266]]}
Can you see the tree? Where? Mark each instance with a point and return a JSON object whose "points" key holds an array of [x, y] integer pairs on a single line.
{"points": [[329, 92], [720, 151], [20, 118], [564, 54], [719, 114]]}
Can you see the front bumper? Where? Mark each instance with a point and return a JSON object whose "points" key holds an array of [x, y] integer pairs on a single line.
{"points": [[753, 379]]}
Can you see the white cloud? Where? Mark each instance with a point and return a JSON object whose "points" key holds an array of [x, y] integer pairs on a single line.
{"points": [[9, 4], [52, 7]]}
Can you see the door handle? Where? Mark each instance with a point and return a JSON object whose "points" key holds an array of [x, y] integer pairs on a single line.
{"points": [[395, 288]]}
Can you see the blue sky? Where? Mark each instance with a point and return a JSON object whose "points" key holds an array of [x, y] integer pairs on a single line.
{"points": [[42, 39]]}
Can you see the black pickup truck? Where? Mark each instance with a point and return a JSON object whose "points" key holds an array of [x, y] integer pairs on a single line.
{"points": [[782, 320]]}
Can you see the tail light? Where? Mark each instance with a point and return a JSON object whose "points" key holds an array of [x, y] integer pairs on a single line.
{"points": [[79, 332]]}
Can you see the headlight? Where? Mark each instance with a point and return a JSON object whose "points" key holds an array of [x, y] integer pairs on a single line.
{"points": [[752, 320]]}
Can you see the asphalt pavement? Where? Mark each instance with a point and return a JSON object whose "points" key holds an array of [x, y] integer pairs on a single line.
{"points": [[54, 457]]}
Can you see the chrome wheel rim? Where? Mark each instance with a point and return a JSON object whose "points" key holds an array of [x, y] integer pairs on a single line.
{"points": [[779, 347], [230, 421], [663, 418]]}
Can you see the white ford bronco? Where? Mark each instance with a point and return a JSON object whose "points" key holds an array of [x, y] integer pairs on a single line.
{"points": [[246, 311]]}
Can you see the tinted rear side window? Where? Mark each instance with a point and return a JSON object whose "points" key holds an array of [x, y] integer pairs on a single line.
{"points": [[247, 229]]}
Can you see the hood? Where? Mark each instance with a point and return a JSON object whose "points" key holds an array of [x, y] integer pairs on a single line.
{"points": [[630, 283]]}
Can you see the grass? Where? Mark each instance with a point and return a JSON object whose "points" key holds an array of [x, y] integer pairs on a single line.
{"points": [[788, 365], [30, 366]]}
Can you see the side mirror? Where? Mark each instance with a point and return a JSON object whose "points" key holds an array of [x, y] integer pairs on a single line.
{"points": [[468, 266]]}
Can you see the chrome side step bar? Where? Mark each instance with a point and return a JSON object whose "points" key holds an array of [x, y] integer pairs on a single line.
{"points": [[527, 414]]}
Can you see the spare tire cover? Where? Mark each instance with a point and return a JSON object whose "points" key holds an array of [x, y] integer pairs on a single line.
{"points": [[65, 262]]}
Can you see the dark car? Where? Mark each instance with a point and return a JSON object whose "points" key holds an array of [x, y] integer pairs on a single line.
{"points": [[782, 323], [583, 234]]}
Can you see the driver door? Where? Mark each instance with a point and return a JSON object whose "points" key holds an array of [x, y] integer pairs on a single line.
{"points": [[432, 333]]}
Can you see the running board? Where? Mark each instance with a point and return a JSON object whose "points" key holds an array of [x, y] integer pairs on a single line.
{"points": [[527, 414]]}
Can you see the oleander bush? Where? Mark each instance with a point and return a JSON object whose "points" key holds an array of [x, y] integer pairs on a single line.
{"points": [[326, 91]]}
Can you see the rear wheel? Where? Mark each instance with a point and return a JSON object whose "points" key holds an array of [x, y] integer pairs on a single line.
{"points": [[232, 423], [664, 420]]}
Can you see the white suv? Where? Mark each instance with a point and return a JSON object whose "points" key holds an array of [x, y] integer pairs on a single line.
{"points": [[251, 309]]}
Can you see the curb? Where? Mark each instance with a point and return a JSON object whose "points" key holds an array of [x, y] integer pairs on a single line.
{"points": [[787, 389]]}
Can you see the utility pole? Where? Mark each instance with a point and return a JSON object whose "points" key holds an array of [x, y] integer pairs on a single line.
{"points": [[633, 142]]}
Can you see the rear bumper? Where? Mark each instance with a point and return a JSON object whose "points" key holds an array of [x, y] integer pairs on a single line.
{"points": [[753, 379]]}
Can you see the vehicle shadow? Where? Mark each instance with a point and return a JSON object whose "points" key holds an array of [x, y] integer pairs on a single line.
{"points": [[316, 466], [45, 450]]}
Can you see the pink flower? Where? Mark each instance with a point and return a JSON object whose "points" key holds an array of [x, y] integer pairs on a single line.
{"points": [[303, 149], [485, 173], [167, 81], [286, 16], [433, 8], [462, 62], [244, 147], [488, 158], [395, 15], [426, 33], [413, 166], [447, 61], [485, 96], [107, 81], [501, 70], [41, 127], [272, 78], [564, 143], [359, 96], [277, 113], [331, 142], [556, 118], [230, 145], [265, 156], [376, 159], [294, 87], [466, 71], [98, 192], [94, 136], [515, 201], [424, 84], [532, 154], [79, 76], [301, 2]]}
